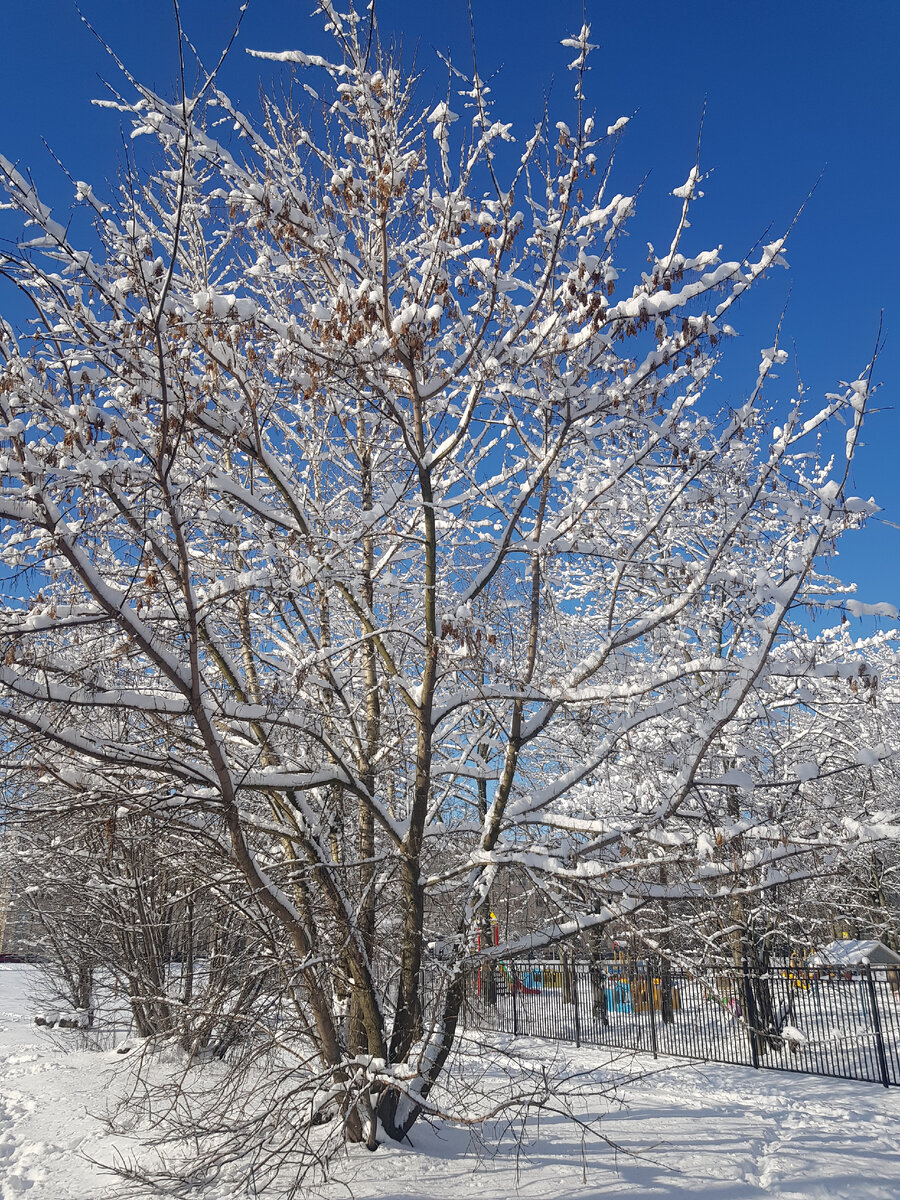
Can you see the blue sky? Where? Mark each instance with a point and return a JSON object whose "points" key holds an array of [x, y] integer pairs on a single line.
{"points": [[792, 89]]}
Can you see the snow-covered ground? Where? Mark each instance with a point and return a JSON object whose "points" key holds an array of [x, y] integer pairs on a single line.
{"points": [[51, 1100], [711, 1132]]}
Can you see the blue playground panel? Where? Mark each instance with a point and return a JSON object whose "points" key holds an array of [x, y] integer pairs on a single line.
{"points": [[618, 997]]}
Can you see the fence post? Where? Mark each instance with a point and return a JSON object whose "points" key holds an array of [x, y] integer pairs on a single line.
{"points": [[651, 1008], [574, 966], [876, 1023], [512, 989], [750, 1005]]}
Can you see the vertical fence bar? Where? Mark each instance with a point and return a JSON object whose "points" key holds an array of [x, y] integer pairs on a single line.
{"points": [[876, 1023], [750, 1004], [890, 992], [574, 968], [651, 1008], [513, 988]]}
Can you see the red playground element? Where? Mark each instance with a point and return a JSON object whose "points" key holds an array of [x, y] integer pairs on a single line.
{"points": [[529, 985]]}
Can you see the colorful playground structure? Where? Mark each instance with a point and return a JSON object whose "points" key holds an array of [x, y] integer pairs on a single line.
{"points": [[624, 993], [531, 981], [627, 989]]}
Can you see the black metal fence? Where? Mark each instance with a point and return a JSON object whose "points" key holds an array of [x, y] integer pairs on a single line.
{"points": [[820, 1021]]}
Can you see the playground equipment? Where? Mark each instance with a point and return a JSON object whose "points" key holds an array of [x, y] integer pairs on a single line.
{"points": [[530, 983], [630, 990], [618, 996], [799, 974], [634, 996], [532, 980], [626, 984]]}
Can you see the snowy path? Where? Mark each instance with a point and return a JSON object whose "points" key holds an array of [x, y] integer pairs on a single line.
{"points": [[741, 1134], [700, 1131], [714, 1133], [48, 1105]]}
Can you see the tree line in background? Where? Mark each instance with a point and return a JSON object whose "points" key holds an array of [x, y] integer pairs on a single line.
{"points": [[377, 549]]}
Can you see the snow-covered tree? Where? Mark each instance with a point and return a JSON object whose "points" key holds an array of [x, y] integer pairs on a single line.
{"points": [[372, 532]]}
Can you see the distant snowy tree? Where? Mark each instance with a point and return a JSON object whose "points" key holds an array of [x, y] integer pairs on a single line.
{"points": [[372, 539]]}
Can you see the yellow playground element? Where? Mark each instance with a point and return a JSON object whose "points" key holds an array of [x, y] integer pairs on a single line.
{"points": [[641, 998]]}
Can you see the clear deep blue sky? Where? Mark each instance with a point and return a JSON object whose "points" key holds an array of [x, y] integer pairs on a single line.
{"points": [[792, 88]]}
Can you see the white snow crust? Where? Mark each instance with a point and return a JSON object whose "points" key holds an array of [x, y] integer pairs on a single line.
{"points": [[703, 1131]]}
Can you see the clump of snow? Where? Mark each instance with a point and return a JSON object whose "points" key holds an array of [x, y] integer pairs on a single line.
{"points": [[792, 1034], [868, 756], [858, 609]]}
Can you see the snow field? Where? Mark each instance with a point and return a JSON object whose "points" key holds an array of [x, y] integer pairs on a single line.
{"points": [[706, 1131], [52, 1100]]}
